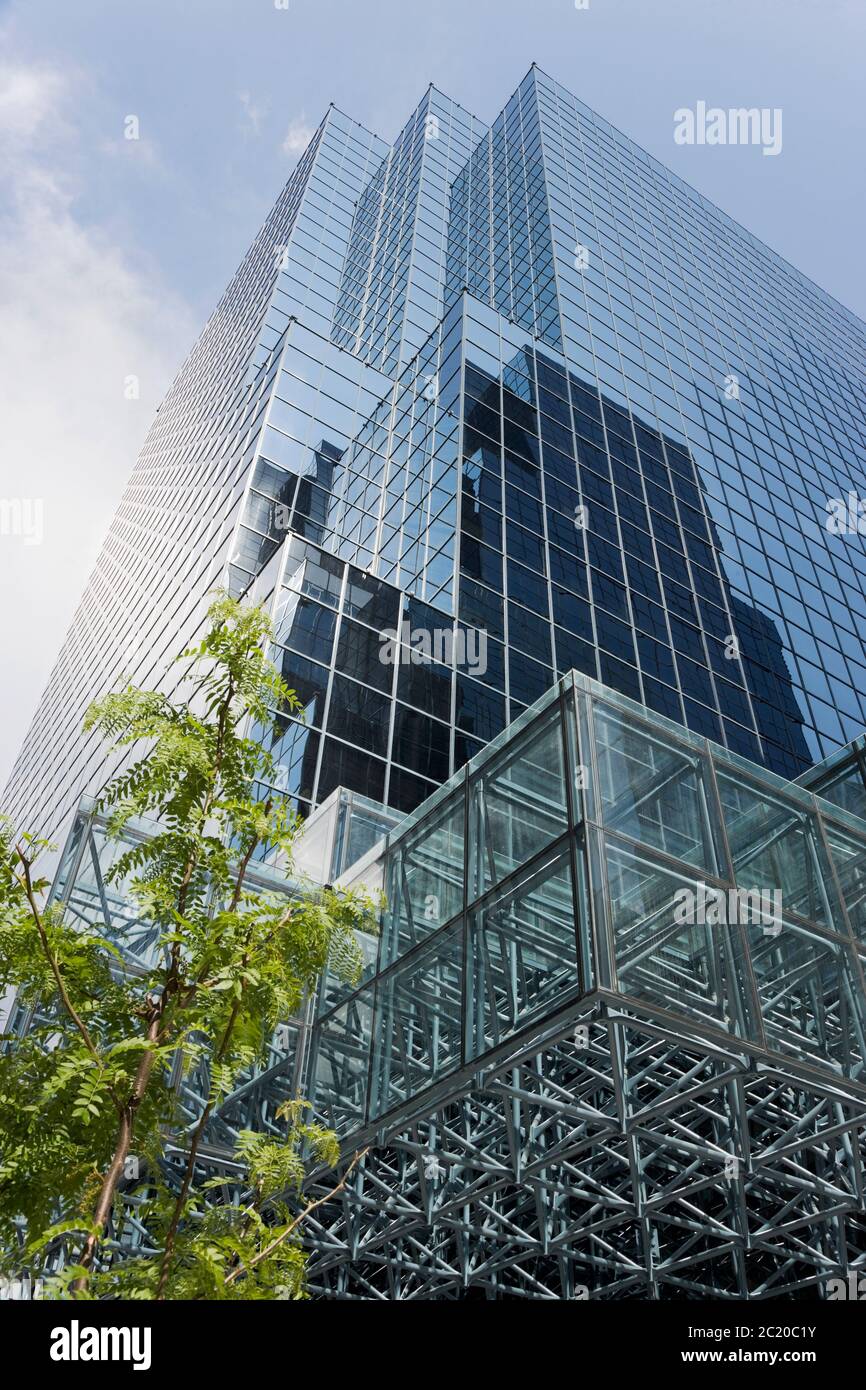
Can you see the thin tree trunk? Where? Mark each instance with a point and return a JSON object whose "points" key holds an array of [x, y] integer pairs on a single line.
{"points": [[114, 1172], [180, 1203], [171, 1234]]}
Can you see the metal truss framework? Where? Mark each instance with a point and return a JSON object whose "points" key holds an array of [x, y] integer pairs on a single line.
{"points": [[620, 1157]]}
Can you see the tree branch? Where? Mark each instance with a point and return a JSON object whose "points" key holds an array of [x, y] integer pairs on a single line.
{"points": [[293, 1226], [27, 884], [183, 1194], [114, 1172]]}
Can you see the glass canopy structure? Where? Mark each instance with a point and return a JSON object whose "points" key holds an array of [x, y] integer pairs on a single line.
{"points": [[573, 1085], [610, 1039]]}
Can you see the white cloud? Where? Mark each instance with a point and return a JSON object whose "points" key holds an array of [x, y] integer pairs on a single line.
{"points": [[27, 96], [253, 114], [80, 314], [298, 136]]}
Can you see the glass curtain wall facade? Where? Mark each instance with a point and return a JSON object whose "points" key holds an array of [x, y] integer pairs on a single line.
{"points": [[175, 531], [490, 368]]}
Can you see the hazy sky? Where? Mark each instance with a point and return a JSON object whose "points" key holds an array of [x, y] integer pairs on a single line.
{"points": [[113, 252]]}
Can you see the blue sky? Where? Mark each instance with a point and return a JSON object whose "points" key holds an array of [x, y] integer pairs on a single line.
{"points": [[113, 252]]}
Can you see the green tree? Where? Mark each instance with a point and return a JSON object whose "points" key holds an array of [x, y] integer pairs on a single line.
{"points": [[94, 1082]]}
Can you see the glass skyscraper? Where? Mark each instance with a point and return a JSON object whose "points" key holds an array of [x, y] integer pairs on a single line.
{"points": [[518, 379], [480, 410]]}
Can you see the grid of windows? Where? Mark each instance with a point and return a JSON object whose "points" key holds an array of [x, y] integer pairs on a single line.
{"points": [[586, 542], [485, 371], [661, 303], [676, 300], [172, 535], [499, 245], [391, 294], [320, 399], [373, 716]]}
